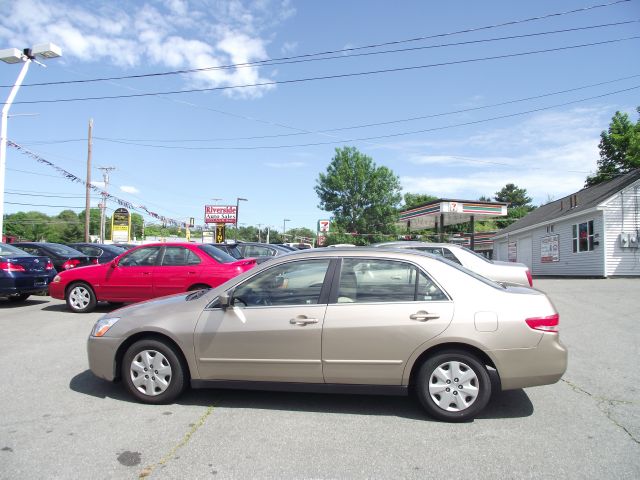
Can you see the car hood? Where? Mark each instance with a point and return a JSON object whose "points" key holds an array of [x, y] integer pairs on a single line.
{"points": [[162, 304]]}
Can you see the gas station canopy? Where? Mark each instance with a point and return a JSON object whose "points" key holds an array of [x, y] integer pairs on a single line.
{"points": [[445, 212]]}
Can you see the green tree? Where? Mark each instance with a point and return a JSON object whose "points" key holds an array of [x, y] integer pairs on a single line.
{"points": [[619, 149], [68, 228], [519, 203], [29, 226], [514, 196], [362, 196], [413, 200]]}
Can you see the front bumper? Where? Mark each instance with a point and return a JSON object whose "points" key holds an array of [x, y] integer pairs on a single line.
{"points": [[530, 367], [101, 352]]}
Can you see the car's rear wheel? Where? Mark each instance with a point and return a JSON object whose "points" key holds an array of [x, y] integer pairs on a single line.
{"points": [[19, 298], [453, 386], [81, 298], [152, 371]]}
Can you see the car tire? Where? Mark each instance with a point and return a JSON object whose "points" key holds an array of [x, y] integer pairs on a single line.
{"points": [[153, 372], [19, 298], [80, 298], [453, 386]]}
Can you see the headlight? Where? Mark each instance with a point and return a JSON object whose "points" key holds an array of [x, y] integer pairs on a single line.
{"points": [[103, 325], [56, 279]]}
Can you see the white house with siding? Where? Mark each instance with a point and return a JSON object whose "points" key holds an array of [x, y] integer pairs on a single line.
{"points": [[593, 233]]}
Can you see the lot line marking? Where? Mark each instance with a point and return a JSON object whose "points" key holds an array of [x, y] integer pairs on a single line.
{"points": [[149, 470]]}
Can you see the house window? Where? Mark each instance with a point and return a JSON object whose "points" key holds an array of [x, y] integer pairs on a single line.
{"points": [[549, 228], [583, 237]]}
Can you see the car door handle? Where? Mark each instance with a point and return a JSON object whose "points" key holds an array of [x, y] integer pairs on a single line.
{"points": [[302, 320], [423, 316]]}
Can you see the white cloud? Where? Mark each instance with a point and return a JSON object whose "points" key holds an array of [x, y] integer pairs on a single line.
{"points": [[549, 154], [173, 34], [129, 189], [288, 48]]}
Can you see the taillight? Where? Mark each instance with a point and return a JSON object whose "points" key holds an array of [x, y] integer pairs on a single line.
{"points": [[545, 324], [529, 277], [11, 267], [74, 262], [49, 266]]}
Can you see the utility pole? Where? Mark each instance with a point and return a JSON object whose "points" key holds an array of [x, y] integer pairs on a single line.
{"points": [[103, 205], [87, 208]]}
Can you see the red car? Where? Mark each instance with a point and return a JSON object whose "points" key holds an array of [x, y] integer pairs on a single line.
{"points": [[145, 272]]}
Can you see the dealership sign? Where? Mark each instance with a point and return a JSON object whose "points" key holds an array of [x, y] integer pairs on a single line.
{"points": [[219, 214]]}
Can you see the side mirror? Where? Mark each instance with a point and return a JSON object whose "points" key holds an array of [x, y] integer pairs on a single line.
{"points": [[224, 300]]}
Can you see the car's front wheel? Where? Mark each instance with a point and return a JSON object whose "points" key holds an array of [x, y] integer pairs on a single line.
{"points": [[152, 371], [453, 386], [81, 298]]}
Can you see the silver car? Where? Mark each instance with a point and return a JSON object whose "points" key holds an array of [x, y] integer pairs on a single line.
{"points": [[508, 272], [357, 320]]}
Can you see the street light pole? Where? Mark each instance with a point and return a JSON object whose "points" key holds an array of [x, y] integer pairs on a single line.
{"points": [[284, 229], [238, 200], [13, 55]]}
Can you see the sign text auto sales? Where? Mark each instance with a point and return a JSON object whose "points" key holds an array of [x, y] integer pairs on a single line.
{"points": [[219, 214]]}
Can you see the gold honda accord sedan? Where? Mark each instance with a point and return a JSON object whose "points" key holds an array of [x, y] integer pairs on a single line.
{"points": [[358, 320]]}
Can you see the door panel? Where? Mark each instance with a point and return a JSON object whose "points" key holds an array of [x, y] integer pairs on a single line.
{"points": [[260, 343], [385, 310], [179, 269], [132, 279], [274, 331]]}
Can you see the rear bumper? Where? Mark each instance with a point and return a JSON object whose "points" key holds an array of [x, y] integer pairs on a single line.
{"points": [[101, 352], [530, 367], [17, 286]]}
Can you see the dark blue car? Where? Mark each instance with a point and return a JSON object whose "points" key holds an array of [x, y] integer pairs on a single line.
{"points": [[22, 274]]}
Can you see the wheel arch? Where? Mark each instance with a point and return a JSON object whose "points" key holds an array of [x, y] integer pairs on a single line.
{"points": [[75, 282], [465, 347], [124, 346]]}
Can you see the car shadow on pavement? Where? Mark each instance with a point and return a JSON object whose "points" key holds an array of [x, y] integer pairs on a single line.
{"points": [[62, 307], [4, 303], [509, 404]]}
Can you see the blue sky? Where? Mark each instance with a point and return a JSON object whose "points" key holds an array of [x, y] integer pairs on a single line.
{"points": [[174, 153]]}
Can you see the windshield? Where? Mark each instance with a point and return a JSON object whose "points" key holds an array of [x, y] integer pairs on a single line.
{"points": [[9, 251], [217, 254]]}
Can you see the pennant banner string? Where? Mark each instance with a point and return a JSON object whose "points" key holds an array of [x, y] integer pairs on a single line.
{"points": [[113, 198]]}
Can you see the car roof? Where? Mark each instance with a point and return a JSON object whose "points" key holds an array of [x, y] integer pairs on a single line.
{"points": [[415, 243]]}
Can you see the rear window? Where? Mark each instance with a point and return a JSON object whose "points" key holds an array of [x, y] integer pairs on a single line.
{"points": [[9, 251], [217, 254], [63, 250]]}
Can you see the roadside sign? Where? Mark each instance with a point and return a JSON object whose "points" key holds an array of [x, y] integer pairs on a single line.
{"points": [[219, 214]]}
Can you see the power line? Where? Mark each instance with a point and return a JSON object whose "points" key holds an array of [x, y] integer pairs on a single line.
{"points": [[333, 77], [366, 125], [44, 196], [475, 122], [45, 205], [341, 55]]}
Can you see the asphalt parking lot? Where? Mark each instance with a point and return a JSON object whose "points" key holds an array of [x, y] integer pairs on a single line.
{"points": [[59, 421]]}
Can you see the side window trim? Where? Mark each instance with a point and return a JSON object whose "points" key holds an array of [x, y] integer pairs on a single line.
{"points": [[335, 280]]}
